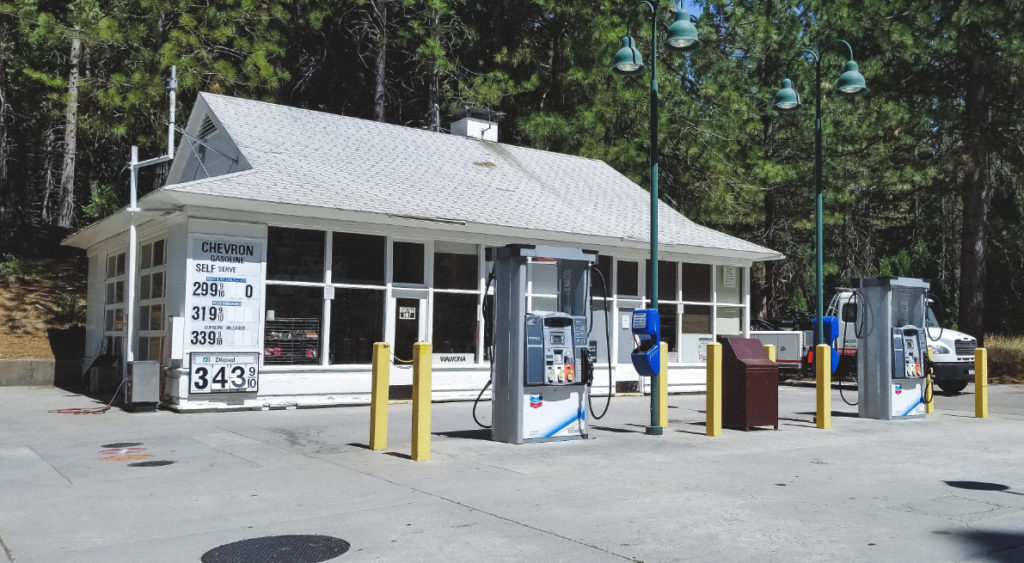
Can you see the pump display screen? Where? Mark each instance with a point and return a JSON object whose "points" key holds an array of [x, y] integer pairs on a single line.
{"points": [[557, 339]]}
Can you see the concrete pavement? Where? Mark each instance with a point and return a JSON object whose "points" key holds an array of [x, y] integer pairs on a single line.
{"points": [[949, 487]]}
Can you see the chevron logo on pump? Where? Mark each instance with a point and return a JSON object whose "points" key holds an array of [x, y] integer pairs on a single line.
{"points": [[536, 401]]}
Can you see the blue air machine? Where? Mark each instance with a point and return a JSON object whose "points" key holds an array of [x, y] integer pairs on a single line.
{"points": [[541, 362], [892, 348]]}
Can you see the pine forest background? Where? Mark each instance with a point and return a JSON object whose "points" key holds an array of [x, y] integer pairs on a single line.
{"points": [[924, 176]]}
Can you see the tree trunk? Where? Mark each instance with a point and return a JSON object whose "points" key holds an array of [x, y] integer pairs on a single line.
{"points": [[378, 90], [6, 197], [977, 195], [66, 212]]}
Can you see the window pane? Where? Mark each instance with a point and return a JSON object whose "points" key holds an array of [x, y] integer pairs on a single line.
{"points": [[597, 289], [118, 320], [292, 334], [110, 294], [730, 285], [111, 266], [156, 317], [696, 332], [669, 328], [143, 320], [545, 304], [407, 262], [144, 283], [147, 256], [358, 259], [544, 276], [119, 292], [455, 270], [295, 255], [696, 282], [601, 330], [158, 253], [666, 280], [158, 285], [627, 274], [455, 325], [729, 320], [155, 344], [357, 321], [120, 264], [108, 324]]}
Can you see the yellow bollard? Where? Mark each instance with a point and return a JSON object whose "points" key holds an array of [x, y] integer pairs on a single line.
{"points": [[421, 355], [823, 385], [980, 383], [663, 388], [929, 393], [770, 350], [714, 394], [379, 396]]}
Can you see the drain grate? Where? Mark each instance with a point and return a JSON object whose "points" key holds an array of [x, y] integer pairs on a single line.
{"points": [[121, 445], [154, 463], [274, 549]]}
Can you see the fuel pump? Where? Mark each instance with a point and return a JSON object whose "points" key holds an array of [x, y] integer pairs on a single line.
{"points": [[541, 365], [891, 348]]}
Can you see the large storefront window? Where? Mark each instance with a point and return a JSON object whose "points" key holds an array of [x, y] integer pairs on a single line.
{"points": [[627, 276], [696, 282], [455, 325], [292, 326], [295, 255], [407, 262], [696, 333], [357, 321], [358, 259], [667, 287], [455, 266], [729, 284]]}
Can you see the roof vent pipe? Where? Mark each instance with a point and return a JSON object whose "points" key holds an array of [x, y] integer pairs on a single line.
{"points": [[477, 123]]}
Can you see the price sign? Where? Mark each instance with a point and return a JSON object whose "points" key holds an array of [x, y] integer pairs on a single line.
{"points": [[223, 293], [224, 372]]}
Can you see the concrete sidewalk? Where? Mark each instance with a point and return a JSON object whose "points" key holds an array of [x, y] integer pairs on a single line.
{"points": [[949, 487]]}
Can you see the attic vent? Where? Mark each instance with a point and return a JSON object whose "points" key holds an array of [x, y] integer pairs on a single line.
{"points": [[207, 128]]}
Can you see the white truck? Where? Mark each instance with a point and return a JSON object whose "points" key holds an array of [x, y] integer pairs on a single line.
{"points": [[952, 351]]}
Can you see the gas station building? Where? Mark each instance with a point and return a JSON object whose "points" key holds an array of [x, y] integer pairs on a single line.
{"points": [[285, 242]]}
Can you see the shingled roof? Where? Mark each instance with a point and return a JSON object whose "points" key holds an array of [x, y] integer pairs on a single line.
{"points": [[311, 159]]}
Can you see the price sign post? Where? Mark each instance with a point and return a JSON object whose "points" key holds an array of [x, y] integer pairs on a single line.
{"points": [[223, 320]]}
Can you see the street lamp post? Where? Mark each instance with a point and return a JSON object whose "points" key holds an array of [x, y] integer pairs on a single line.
{"points": [[682, 36], [850, 83]]}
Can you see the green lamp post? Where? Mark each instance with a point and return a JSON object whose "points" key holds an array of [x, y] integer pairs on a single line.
{"points": [[682, 36], [850, 83]]}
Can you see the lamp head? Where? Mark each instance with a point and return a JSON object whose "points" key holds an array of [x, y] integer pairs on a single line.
{"points": [[787, 98], [852, 81], [628, 60], [682, 34]]}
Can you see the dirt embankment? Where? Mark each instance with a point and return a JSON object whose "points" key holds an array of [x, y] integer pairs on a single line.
{"points": [[38, 300]]}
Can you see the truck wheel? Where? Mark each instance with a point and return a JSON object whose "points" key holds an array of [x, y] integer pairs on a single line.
{"points": [[951, 387]]}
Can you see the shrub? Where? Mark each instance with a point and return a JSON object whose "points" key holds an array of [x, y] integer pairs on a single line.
{"points": [[1005, 358], [70, 309], [11, 268]]}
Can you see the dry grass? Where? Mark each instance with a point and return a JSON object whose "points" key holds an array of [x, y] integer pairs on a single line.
{"points": [[1005, 358], [31, 297]]}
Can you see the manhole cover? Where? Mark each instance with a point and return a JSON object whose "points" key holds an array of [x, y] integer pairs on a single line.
{"points": [[272, 549], [121, 445], [154, 463]]}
